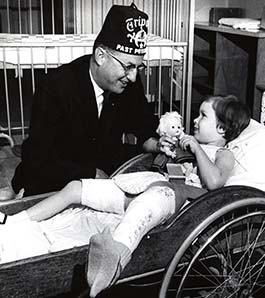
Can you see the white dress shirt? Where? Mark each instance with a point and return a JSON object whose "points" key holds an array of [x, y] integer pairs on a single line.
{"points": [[99, 94]]}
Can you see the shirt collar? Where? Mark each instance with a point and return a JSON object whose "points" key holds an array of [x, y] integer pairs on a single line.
{"points": [[98, 91]]}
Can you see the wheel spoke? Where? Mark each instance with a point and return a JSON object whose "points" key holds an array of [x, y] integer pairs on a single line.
{"points": [[252, 246], [226, 259]]}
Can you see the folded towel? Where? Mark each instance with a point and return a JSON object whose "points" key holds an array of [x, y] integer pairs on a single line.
{"points": [[241, 23]]}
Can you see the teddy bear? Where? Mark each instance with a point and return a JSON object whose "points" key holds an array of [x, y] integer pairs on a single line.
{"points": [[170, 124]]}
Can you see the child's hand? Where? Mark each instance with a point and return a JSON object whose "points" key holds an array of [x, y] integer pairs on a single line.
{"points": [[167, 145], [189, 143]]}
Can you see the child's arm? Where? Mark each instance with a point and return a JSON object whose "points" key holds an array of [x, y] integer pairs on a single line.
{"points": [[213, 175]]}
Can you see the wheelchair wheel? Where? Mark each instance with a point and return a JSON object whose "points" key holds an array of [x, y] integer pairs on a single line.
{"points": [[223, 253]]}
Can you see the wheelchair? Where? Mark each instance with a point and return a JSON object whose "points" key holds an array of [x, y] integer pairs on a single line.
{"points": [[213, 247]]}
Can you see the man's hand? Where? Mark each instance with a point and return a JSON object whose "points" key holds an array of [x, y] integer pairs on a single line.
{"points": [[100, 174]]}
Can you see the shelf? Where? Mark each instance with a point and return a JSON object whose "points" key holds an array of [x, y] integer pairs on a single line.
{"points": [[203, 85], [229, 61], [229, 30], [204, 54], [203, 59]]}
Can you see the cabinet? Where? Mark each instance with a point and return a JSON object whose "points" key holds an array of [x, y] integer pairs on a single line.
{"points": [[229, 61]]}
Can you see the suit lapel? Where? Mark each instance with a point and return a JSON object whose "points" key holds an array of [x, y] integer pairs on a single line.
{"points": [[87, 94]]}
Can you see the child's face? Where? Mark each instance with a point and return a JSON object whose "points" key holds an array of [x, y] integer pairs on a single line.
{"points": [[205, 126]]}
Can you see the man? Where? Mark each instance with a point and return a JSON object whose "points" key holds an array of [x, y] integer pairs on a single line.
{"points": [[81, 110]]}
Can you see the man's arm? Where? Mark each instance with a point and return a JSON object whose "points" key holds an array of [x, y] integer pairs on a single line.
{"points": [[151, 145]]}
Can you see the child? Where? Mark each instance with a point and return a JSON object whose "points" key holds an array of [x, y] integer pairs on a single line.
{"points": [[221, 119], [147, 199]]}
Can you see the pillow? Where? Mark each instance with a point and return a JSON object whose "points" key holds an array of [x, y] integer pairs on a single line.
{"points": [[249, 152]]}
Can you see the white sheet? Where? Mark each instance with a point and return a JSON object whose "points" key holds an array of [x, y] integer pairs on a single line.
{"points": [[41, 50], [71, 228]]}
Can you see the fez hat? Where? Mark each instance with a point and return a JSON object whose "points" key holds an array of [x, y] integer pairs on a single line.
{"points": [[124, 30]]}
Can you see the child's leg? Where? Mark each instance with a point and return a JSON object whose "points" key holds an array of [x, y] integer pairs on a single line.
{"points": [[70, 194], [98, 194], [145, 212], [109, 255], [103, 195]]}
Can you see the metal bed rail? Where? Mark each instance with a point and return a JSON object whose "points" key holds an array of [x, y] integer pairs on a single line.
{"points": [[170, 19], [21, 61]]}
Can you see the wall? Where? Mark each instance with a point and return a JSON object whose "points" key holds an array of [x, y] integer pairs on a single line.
{"points": [[253, 8], [202, 8]]}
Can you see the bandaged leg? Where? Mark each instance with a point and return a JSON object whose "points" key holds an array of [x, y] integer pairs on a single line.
{"points": [[146, 211], [105, 260], [103, 195]]}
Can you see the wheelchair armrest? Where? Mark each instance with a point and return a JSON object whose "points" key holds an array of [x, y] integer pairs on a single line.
{"points": [[143, 162], [139, 163], [183, 156]]}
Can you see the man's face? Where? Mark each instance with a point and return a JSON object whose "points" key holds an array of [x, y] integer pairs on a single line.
{"points": [[118, 70]]}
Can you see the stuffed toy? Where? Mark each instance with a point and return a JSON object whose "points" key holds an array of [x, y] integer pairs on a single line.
{"points": [[170, 124]]}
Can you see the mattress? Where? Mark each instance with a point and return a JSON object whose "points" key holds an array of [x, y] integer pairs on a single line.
{"points": [[53, 50]]}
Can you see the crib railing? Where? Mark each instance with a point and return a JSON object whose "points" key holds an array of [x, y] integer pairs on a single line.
{"points": [[23, 63], [171, 19]]}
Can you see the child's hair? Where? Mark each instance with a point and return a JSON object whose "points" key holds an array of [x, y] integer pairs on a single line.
{"points": [[231, 114]]}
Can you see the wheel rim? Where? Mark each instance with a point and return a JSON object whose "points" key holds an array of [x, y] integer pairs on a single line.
{"points": [[225, 259]]}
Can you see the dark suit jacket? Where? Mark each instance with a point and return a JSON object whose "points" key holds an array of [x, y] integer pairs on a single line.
{"points": [[67, 141]]}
